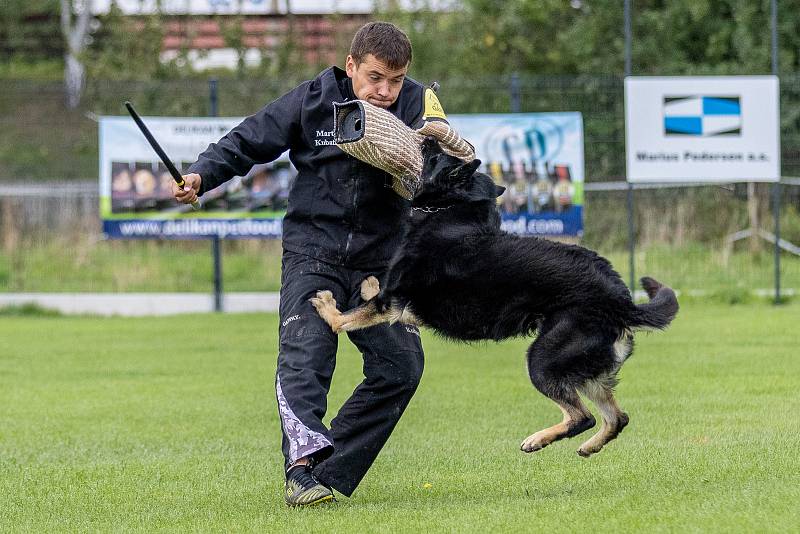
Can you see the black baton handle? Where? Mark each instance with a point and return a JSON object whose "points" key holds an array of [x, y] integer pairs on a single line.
{"points": [[163, 156]]}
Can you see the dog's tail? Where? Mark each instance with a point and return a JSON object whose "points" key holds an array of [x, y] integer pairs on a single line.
{"points": [[661, 309]]}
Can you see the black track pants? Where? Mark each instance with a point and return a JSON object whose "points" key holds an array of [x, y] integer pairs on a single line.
{"points": [[393, 362]]}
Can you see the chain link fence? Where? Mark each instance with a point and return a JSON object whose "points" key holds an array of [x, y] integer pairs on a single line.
{"points": [[692, 237]]}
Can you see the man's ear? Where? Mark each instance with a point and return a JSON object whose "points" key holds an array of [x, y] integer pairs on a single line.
{"points": [[499, 190]]}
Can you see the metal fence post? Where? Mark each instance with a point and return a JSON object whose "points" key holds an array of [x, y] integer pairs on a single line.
{"points": [[216, 247], [212, 97], [631, 222], [631, 240], [776, 188], [776, 194], [217, 253], [516, 95]]}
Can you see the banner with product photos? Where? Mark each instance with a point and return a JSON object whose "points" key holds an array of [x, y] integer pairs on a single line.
{"points": [[136, 198], [538, 157]]}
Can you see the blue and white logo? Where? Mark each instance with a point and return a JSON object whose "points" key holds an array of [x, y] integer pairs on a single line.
{"points": [[702, 116]]}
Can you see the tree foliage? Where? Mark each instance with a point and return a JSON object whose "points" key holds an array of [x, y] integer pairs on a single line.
{"points": [[27, 46], [670, 37], [127, 47], [474, 37]]}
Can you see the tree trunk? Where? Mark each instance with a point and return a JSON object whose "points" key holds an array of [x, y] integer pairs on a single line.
{"points": [[75, 37], [74, 73]]}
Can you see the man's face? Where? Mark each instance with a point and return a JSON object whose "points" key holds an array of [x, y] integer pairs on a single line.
{"points": [[374, 81]]}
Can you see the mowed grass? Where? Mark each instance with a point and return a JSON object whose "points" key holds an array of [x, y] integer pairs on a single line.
{"points": [[170, 424]]}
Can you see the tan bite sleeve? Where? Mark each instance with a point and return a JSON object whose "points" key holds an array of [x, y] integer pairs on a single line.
{"points": [[377, 137]]}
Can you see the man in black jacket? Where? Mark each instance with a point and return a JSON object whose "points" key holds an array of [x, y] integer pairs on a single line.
{"points": [[341, 226]]}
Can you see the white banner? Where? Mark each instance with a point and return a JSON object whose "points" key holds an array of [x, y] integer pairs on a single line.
{"points": [[702, 129]]}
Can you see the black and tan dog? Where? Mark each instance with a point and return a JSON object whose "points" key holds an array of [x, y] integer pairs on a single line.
{"points": [[459, 274]]}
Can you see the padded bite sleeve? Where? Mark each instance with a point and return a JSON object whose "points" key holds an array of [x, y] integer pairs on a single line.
{"points": [[377, 137]]}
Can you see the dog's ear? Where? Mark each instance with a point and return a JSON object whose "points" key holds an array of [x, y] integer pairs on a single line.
{"points": [[499, 190], [431, 145], [468, 169], [464, 172]]}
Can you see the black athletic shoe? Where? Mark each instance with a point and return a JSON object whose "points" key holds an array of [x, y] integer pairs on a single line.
{"points": [[302, 489]]}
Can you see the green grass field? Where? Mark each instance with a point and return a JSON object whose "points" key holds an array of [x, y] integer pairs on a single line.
{"points": [[170, 424], [64, 265]]}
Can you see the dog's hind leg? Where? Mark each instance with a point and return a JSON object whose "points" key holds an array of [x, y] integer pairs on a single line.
{"points": [[548, 357], [577, 419], [600, 391]]}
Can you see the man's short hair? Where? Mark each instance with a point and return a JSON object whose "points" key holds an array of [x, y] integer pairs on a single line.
{"points": [[383, 40]]}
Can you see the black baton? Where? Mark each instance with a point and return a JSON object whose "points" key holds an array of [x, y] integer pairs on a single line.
{"points": [[153, 143]]}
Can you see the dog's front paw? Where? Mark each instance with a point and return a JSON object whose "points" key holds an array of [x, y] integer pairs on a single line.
{"points": [[370, 288], [322, 300], [325, 305]]}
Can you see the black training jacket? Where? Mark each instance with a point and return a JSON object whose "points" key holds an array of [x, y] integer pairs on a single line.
{"points": [[341, 210]]}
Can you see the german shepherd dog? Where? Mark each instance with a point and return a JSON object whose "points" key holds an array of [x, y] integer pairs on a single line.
{"points": [[459, 274]]}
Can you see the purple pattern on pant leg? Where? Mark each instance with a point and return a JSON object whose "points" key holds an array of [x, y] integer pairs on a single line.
{"points": [[302, 440]]}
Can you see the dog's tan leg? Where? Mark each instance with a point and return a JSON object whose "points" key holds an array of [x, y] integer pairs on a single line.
{"points": [[361, 317], [325, 305], [614, 419], [408, 317], [370, 287], [577, 419]]}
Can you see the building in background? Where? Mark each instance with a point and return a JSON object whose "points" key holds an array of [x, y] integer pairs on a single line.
{"points": [[320, 29], [199, 28]]}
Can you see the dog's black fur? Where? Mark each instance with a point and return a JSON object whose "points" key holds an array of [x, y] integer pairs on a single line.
{"points": [[459, 274]]}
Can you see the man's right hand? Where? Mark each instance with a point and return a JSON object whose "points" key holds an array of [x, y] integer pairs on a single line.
{"points": [[188, 193]]}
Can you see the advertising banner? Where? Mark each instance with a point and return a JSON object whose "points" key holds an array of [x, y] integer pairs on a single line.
{"points": [[136, 198], [702, 129], [537, 157]]}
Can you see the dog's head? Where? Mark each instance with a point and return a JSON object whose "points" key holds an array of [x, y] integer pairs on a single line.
{"points": [[447, 180]]}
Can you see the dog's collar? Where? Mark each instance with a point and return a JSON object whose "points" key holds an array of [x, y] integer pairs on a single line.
{"points": [[431, 209]]}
